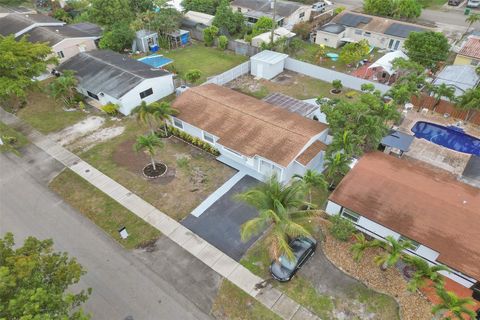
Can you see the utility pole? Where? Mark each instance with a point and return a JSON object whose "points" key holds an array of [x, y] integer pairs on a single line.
{"points": [[274, 24]]}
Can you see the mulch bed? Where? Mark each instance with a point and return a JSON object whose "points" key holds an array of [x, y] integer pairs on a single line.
{"points": [[413, 306], [154, 172]]}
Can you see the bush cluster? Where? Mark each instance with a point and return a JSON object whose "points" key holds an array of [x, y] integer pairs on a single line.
{"points": [[111, 109], [194, 140], [341, 228]]}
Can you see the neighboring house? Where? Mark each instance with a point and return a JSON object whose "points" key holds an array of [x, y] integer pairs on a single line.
{"points": [[251, 134], [109, 77], [288, 13], [382, 69], [279, 33], [380, 32], [460, 77], [469, 52], [411, 200], [4, 11], [65, 41], [199, 18]]}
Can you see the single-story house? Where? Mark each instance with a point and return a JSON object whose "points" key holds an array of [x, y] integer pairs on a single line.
{"points": [[278, 33], [267, 64], [199, 18], [469, 52], [288, 13], [383, 68], [380, 32], [66, 41], [109, 77], [21, 10], [411, 200], [251, 133], [460, 77]]}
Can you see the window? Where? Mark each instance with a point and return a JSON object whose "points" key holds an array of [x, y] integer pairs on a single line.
{"points": [[301, 15], [415, 244], [358, 31], [208, 137], [474, 62], [60, 54], [367, 34], [93, 95], [350, 215], [177, 123], [146, 93]]}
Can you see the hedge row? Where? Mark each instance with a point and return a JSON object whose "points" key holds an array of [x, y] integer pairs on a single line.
{"points": [[193, 140]]}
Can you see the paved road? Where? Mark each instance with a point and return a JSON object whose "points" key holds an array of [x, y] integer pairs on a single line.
{"points": [[122, 285]]}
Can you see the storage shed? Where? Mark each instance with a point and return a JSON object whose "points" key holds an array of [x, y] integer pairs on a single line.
{"points": [[146, 41], [267, 64]]}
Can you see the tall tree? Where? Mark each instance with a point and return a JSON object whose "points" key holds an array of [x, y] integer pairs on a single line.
{"points": [[163, 111], [353, 52], [139, 6], [148, 115], [379, 7], [424, 272], [20, 62], [36, 282], [149, 142], [442, 91], [264, 24], [453, 306], [117, 37], [348, 143], [470, 102], [63, 88], [227, 20], [393, 252], [336, 166], [408, 9], [277, 205], [312, 180], [205, 6], [427, 48], [109, 12], [471, 19]]}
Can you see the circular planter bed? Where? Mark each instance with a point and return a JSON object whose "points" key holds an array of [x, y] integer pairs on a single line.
{"points": [[150, 173], [335, 91]]}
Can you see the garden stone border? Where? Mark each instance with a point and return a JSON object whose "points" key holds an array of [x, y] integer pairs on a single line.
{"points": [[160, 175]]}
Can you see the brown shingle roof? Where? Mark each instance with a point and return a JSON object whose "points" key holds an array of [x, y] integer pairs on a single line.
{"points": [[471, 48], [245, 124], [423, 203], [308, 154]]}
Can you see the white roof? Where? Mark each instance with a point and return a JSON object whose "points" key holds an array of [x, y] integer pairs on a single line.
{"points": [[461, 77], [386, 61], [278, 33], [200, 17], [270, 57]]}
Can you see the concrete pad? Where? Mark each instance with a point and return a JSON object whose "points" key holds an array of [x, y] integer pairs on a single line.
{"points": [[244, 279], [181, 235], [225, 265], [209, 255], [268, 296], [100, 181], [195, 245], [137, 205], [285, 307], [304, 314]]}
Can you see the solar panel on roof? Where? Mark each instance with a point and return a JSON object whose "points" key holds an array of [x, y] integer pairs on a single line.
{"points": [[401, 30], [290, 104], [353, 20]]}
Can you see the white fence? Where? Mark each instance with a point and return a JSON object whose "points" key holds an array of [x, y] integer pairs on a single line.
{"points": [[330, 75], [230, 75]]}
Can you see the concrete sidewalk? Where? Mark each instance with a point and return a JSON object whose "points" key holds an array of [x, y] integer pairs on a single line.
{"points": [[228, 268]]}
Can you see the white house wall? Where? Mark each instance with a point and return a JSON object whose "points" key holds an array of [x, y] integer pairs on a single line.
{"points": [[380, 232], [73, 46]]}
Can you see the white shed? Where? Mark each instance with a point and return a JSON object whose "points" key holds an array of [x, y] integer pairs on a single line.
{"points": [[267, 64]]}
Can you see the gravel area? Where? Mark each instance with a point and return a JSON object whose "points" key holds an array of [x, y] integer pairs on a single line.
{"points": [[413, 306]]}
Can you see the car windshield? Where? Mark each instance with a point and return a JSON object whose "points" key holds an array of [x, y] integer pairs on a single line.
{"points": [[287, 263]]}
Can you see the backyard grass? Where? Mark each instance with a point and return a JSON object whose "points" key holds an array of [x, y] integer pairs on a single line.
{"points": [[232, 303], [209, 60], [192, 174], [102, 210], [7, 132], [45, 114]]}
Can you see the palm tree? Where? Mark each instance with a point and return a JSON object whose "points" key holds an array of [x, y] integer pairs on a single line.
{"points": [[336, 165], [393, 252], [63, 87], [424, 271], [312, 179], [277, 205], [152, 114], [347, 142], [471, 19], [442, 91], [149, 142], [453, 305], [162, 111], [470, 102], [361, 244]]}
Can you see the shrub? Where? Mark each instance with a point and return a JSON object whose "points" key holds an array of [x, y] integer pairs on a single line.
{"points": [[193, 140], [10, 140], [337, 85], [338, 10], [193, 75], [341, 228], [302, 29], [111, 109], [351, 94], [183, 162], [222, 42], [209, 35]]}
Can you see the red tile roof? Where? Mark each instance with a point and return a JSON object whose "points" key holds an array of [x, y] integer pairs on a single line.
{"points": [[471, 48]]}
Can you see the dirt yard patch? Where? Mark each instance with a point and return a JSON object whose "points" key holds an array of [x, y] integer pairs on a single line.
{"points": [[79, 129]]}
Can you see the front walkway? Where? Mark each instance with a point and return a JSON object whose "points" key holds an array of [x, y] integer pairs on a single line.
{"points": [[221, 263]]}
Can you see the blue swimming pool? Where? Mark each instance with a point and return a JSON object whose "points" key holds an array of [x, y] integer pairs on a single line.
{"points": [[156, 60], [450, 137]]}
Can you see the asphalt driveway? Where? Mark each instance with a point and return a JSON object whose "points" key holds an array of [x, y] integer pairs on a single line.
{"points": [[220, 223]]}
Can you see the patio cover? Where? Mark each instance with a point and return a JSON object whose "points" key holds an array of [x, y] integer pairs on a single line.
{"points": [[398, 140], [386, 61]]}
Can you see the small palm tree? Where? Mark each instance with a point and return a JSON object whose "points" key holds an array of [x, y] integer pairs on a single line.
{"points": [[453, 305], [424, 271], [162, 111], [149, 142], [393, 252], [361, 244], [152, 114], [471, 19], [441, 91], [347, 142], [277, 205], [63, 88], [312, 179], [336, 165]]}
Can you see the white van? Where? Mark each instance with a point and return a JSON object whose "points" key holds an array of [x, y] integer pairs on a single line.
{"points": [[319, 7]]}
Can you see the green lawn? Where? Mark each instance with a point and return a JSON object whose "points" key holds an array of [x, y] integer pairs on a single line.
{"points": [[45, 114], [103, 210], [232, 303], [210, 61], [18, 139]]}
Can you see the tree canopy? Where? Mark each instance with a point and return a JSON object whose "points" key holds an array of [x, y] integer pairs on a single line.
{"points": [[470, 102], [35, 280], [427, 48], [205, 6], [117, 38], [354, 52], [407, 9], [227, 20], [110, 12], [20, 61]]}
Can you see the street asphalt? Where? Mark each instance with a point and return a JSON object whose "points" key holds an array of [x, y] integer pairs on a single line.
{"points": [[124, 287]]}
